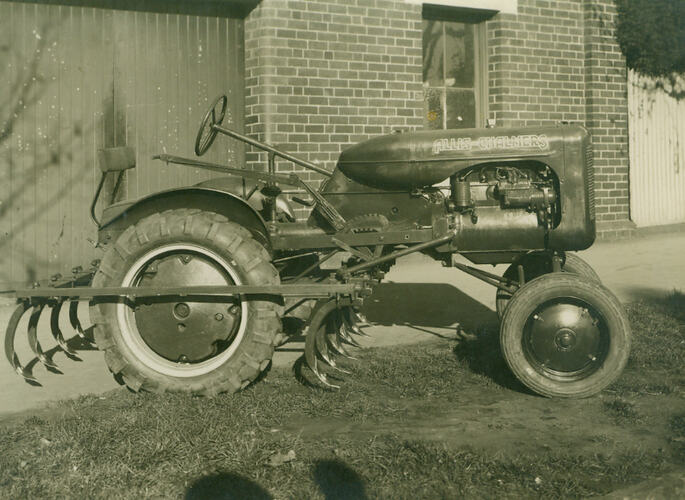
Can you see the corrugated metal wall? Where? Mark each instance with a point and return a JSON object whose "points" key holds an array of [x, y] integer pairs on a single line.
{"points": [[657, 153], [76, 79]]}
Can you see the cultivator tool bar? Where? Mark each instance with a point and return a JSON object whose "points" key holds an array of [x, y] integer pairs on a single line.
{"points": [[331, 326], [54, 293]]}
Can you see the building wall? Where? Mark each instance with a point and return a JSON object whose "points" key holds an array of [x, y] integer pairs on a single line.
{"points": [[536, 64], [323, 74], [606, 97]]}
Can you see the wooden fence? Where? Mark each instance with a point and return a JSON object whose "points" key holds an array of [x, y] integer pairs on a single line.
{"points": [[656, 122]]}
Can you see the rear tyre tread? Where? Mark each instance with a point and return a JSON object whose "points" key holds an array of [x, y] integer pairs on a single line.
{"points": [[257, 346]]}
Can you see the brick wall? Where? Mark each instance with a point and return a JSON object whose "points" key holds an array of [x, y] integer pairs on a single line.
{"points": [[536, 64], [606, 98], [324, 74]]}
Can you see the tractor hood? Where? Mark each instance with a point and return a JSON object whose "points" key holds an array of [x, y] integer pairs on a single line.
{"points": [[417, 159]]}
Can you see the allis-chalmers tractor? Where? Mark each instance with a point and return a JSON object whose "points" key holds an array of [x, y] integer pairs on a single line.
{"points": [[194, 283]]}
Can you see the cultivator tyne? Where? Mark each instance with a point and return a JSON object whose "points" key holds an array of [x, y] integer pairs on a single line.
{"points": [[34, 300], [333, 322], [331, 326]]}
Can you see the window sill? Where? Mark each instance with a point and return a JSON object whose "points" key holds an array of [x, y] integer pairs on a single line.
{"points": [[504, 6]]}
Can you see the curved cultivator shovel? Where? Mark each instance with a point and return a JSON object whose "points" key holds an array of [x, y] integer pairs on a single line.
{"points": [[332, 325], [51, 295]]}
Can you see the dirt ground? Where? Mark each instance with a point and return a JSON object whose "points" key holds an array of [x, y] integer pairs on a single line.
{"points": [[510, 423]]}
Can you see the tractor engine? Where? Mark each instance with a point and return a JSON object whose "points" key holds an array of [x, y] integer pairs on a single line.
{"points": [[510, 187]]}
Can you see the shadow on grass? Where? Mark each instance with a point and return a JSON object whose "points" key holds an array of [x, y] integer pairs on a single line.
{"points": [[442, 305], [481, 352], [337, 481], [226, 486], [671, 303], [674, 304]]}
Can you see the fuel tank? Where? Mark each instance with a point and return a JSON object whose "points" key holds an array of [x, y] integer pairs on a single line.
{"points": [[417, 159]]}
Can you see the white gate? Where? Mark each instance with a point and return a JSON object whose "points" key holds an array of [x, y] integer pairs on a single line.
{"points": [[656, 123]]}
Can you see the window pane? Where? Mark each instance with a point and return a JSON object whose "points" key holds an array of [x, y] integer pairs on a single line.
{"points": [[460, 55], [433, 47], [433, 108], [461, 109]]}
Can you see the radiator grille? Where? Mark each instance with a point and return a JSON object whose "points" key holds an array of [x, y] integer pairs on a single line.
{"points": [[590, 179]]}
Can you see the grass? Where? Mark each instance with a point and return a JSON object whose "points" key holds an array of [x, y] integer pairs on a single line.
{"points": [[173, 446], [677, 428], [656, 362], [623, 411], [264, 442]]}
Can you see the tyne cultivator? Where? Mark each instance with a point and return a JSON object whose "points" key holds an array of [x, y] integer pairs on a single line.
{"points": [[335, 305], [37, 306]]}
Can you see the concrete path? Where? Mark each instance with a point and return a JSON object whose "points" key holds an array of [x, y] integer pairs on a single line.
{"points": [[418, 300]]}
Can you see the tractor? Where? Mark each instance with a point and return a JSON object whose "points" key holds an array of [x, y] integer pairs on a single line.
{"points": [[194, 284]]}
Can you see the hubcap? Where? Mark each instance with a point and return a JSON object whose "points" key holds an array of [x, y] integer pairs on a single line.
{"points": [[566, 338], [186, 338]]}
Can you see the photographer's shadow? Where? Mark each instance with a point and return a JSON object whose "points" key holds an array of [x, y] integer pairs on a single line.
{"points": [[226, 486]]}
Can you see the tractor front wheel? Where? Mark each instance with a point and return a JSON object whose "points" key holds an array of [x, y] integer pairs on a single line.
{"points": [[565, 336], [200, 345]]}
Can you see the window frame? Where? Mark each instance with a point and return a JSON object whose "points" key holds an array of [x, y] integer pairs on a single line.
{"points": [[477, 18]]}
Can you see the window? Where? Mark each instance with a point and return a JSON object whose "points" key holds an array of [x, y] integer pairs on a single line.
{"points": [[454, 74]]}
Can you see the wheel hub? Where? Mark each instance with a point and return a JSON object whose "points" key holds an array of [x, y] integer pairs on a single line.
{"points": [[565, 337], [185, 332], [181, 310]]}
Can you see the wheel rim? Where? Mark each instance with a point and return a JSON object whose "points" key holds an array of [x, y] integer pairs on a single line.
{"points": [[177, 337], [566, 339]]}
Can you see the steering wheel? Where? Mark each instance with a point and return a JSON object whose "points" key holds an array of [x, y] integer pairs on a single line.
{"points": [[207, 133]]}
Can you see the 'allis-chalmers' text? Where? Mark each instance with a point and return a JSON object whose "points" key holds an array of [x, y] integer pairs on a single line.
{"points": [[490, 143]]}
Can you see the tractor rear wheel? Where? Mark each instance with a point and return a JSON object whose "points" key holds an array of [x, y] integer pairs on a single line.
{"points": [[196, 344], [565, 336], [537, 264]]}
